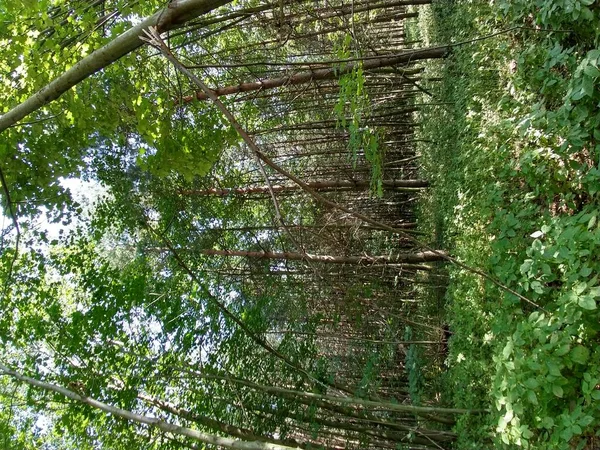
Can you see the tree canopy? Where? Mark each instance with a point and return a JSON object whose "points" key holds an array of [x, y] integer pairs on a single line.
{"points": [[196, 285], [330, 224]]}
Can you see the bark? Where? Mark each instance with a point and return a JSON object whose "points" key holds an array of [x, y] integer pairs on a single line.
{"points": [[377, 120], [318, 197], [231, 16], [320, 186], [311, 228], [325, 125], [150, 421], [173, 16], [286, 25], [312, 106], [348, 412], [240, 323], [325, 74], [418, 257], [395, 17], [338, 337]]}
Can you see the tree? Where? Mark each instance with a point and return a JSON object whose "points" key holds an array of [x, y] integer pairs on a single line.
{"points": [[101, 318], [151, 421], [174, 16]]}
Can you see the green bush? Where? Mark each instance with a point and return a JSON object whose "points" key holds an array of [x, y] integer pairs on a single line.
{"points": [[516, 170]]}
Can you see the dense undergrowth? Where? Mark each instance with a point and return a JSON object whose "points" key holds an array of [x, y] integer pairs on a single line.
{"points": [[511, 148]]}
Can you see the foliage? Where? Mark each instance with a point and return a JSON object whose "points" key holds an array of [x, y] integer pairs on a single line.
{"points": [[114, 296], [413, 365], [127, 103], [525, 168], [352, 110]]}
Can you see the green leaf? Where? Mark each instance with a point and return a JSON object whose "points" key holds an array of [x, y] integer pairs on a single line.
{"points": [[537, 287], [587, 86], [578, 94], [587, 14], [557, 390], [562, 350], [547, 422], [587, 302], [553, 369], [579, 288], [531, 383], [585, 421], [526, 432], [580, 354], [566, 434], [591, 71]]}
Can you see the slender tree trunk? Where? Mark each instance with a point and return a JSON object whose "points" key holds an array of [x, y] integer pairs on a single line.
{"points": [[214, 424], [336, 336], [196, 24], [354, 402], [328, 226], [368, 6], [423, 435], [407, 258], [324, 74], [321, 186], [150, 421]]}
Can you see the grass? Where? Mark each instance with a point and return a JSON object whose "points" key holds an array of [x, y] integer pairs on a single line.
{"points": [[514, 164]]}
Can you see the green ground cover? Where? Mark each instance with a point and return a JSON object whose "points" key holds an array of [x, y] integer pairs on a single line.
{"points": [[513, 155]]}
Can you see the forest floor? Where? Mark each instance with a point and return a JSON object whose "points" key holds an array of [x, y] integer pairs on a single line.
{"points": [[511, 149]]}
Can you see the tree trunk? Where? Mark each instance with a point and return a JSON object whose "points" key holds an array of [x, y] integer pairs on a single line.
{"points": [[150, 421], [344, 10], [406, 258], [352, 402], [324, 74], [213, 424], [321, 186]]}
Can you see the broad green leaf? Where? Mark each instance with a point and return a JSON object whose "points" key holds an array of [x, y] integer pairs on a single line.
{"points": [[580, 354], [587, 302], [557, 390]]}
